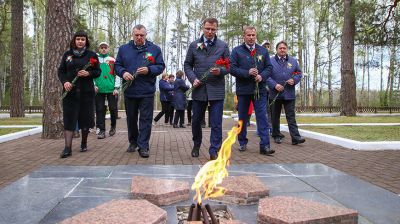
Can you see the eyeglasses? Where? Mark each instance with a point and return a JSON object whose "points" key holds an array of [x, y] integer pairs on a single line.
{"points": [[139, 35], [210, 29]]}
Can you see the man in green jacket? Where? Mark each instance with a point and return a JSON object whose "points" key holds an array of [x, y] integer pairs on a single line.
{"points": [[106, 86]]}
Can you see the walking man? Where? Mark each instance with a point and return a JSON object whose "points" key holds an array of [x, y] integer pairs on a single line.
{"points": [[139, 62], [251, 65], [285, 76], [209, 86]]}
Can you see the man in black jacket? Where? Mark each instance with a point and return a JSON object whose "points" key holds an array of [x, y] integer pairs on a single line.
{"points": [[209, 83]]}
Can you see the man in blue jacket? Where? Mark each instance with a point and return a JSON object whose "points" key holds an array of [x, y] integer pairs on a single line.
{"points": [[139, 61], [251, 65], [285, 76], [209, 83], [165, 89]]}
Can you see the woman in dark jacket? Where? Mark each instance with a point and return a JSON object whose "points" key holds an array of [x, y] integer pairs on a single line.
{"points": [[179, 99], [77, 69]]}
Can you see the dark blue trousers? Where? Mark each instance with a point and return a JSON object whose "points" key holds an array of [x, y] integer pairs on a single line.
{"points": [[260, 108], [216, 111], [141, 108], [290, 106]]}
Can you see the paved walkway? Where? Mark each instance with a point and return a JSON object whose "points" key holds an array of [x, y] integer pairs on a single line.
{"points": [[171, 146]]}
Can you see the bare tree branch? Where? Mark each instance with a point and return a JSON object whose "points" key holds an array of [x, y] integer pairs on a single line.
{"points": [[391, 9]]}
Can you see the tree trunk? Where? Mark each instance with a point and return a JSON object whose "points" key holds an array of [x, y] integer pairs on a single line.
{"points": [[58, 30], [17, 59], [330, 49], [300, 46], [110, 27], [348, 100]]}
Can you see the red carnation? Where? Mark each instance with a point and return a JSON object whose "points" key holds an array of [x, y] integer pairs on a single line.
{"points": [[93, 62], [227, 63], [151, 59]]}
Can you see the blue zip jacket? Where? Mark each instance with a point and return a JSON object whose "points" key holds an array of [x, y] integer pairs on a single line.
{"points": [[242, 62], [283, 71], [130, 58], [179, 94], [165, 88]]}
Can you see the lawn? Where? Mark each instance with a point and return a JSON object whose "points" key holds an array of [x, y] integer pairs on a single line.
{"points": [[4, 131], [381, 119], [360, 133], [21, 121], [338, 120]]}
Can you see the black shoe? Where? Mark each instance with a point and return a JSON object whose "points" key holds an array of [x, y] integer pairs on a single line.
{"points": [[213, 157], [182, 126], [195, 151], [101, 135], [66, 152], [131, 148], [144, 153], [112, 131], [266, 150], [242, 148], [175, 126], [299, 140], [83, 147], [278, 140], [281, 135]]}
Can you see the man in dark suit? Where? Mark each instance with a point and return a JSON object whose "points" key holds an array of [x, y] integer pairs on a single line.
{"points": [[251, 65], [209, 86], [285, 76], [131, 65]]}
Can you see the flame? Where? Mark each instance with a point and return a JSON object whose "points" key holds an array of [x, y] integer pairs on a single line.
{"points": [[214, 171]]}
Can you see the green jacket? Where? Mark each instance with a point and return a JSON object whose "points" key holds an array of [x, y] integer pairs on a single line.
{"points": [[107, 81]]}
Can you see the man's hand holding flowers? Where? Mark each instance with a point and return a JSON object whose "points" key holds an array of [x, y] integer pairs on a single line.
{"points": [[142, 71], [280, 88], [290, 81], [215, 70]]}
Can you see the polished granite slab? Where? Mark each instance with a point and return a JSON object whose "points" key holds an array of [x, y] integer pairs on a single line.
{"points": [[54, 193], [288, 209]]}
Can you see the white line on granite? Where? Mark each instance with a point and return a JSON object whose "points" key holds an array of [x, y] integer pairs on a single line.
{"points": [[76, 185]]}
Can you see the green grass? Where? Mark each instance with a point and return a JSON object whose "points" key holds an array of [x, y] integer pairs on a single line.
{"points": [[4, 131], [338, 120], [359, 133], [21, 121], [380, 119]]}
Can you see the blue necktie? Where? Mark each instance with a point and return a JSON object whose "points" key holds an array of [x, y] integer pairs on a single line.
{"points": [[209, 43]]}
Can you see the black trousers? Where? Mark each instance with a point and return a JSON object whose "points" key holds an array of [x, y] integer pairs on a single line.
{"points": [[289, 106], [171, 113], [165, 109], [101, 110], [139, 109], [189, 111], [179, 117]]}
